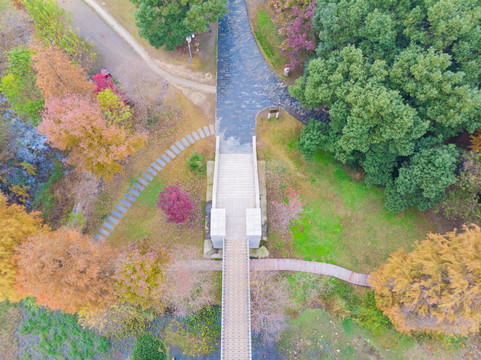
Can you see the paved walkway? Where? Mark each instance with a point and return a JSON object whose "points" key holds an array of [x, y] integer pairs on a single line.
{"points": [[117, 44], [245, 83], [312, 267]]}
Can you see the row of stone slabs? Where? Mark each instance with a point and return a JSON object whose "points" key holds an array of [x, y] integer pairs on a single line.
{"points": [[129, 198]]}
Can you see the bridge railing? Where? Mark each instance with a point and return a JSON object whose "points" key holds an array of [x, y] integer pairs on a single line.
{"points": [[254, 216], [223, 303], [217, 216]]}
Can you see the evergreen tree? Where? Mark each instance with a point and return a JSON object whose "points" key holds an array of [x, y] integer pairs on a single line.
{"points": [[167, 22]]}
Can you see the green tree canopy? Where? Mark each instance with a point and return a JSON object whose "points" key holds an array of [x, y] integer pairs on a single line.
{"points": [[167, 22], [393, 75], [148, 347]]}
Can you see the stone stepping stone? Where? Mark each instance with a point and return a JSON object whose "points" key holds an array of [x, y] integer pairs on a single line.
{"points": [[211, 127], [142, 181], [138, 186], [129, 197], [121, 208], [177, 151], [125, 203], [117, 214], [206, 130], [190, 138], [166, 158], [100, 237], [197, 138], [185, 142], [155, 166], [134, 192], [104, 232], [152, 171], [112, 220], [170, 153], [160, 161], [147, 176], [108, 226], [180, 146], [201, 133]]}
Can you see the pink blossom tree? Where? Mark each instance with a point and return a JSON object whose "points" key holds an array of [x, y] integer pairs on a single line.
{"points": [[175, 204], [300, 39], [284, 214]]}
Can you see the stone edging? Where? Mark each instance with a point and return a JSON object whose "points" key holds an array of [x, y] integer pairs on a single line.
{"points": [[148, 175], [312, 267]]}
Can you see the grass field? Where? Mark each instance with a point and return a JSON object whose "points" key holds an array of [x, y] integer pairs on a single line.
{"points": [[345, 222], [268, 38]]}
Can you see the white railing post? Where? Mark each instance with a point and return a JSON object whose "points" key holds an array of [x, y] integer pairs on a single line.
{"points": [[256, 175], [216, 173]]}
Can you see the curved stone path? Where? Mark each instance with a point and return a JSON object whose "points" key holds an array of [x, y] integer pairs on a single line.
{"points": [[148, 175], [312, 267], [246, 84]]}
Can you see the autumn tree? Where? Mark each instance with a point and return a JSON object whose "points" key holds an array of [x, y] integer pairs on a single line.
{"points": [[57, 76], [65, 270], [53, 26], [140, 274], [436, 287], [113, 107], [76, 123], [269, 302], [19, 87], [176, 204], [16, 225], [188, 290]]}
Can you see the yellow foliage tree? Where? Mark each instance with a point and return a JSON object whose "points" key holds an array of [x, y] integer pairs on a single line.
{"points": [[15, 226], [437, 287], [56, 75], [65, 270], [475, 141]]}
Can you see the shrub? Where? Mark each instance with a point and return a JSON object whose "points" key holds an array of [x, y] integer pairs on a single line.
{"points": [[175, 204], [57, 329], [311, 139], [199, 334], [149, 348], [285, 214], [196, 163]]}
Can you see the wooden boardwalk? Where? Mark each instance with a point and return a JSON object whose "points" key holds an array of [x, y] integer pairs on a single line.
{"points": [[312, 267], [235, 194]]}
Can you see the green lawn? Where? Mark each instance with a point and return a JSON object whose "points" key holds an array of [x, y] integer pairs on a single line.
{"points": [[345, 222], [316, 335], [268, 38]]}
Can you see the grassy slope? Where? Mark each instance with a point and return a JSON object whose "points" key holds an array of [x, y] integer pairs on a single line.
{"points": [[349, 225]]}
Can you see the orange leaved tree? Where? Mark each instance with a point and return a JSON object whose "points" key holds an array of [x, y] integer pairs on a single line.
{"points": [[65, 270], [15, 226], [435, 288], [56, 75], [76, 123]]}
